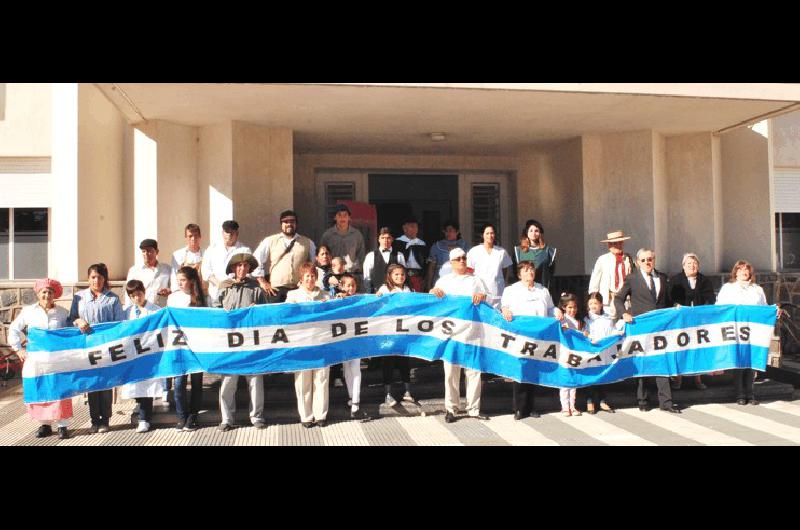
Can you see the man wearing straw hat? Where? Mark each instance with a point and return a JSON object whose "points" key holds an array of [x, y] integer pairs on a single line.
{"points": [[239, 292], [610, 270]]}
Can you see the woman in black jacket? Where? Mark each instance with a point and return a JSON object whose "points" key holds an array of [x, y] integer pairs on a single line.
{"points": [[691, 288]]}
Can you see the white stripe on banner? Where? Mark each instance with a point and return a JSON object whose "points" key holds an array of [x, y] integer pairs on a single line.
{"points": [[290, 337]]}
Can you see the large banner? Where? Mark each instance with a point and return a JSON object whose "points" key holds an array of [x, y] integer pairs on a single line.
{"points": [[289, 337]]}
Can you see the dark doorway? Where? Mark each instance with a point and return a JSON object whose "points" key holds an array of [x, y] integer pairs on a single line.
{"points": [[432, 199]]}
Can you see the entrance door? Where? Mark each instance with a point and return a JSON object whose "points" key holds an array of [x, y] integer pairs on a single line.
{"points": [[432, 199]]}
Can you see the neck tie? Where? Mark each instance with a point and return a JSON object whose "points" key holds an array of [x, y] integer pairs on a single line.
{"points": [[619, 271], [651, 284]]}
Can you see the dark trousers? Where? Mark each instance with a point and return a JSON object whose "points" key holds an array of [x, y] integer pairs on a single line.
{"points": [[523, 397], [595, 394], [743, 380], [100, 406], [664, 391], [337, 372], [180, 395], [145, 408], [392, 362]]}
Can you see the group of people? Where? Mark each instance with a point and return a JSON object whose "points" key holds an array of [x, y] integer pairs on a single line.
{"points": [[287, 267]]}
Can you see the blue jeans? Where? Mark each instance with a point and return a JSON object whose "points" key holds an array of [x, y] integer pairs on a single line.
{"points": [[180, 395]]}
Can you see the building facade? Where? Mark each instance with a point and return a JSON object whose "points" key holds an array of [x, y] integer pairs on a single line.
{"points": [[89, 170]]}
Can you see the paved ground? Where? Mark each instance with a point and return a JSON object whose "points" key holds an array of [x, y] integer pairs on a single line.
{"points": [[772, 423]]}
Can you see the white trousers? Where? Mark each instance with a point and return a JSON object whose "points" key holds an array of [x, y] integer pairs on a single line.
{"points": [[452, 389], [311, 388], [352, 378], [227, 398]]}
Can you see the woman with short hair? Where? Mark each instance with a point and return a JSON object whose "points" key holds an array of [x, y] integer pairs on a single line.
{"points": [[690, 288]]}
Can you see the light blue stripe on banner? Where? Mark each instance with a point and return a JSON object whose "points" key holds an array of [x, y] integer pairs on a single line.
{"points": [[685, 317]]}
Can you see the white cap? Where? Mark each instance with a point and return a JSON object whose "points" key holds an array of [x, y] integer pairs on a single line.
{"points": [[457, 253]]}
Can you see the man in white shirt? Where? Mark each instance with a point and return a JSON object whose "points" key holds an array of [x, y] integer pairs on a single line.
{"points": [[377, 261], [280, 257], [154, 275], [191, 255], [415, 253], [461, 282], [217, 257], [610, 270]]}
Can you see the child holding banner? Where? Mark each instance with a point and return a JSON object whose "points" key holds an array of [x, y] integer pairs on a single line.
{"points": [[352, 369], [569, 307], [598, 326], [143, 391], [395, 282], [311, 386]]}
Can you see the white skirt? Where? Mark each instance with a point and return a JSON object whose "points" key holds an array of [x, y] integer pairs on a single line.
{"points": [[150, 388]]}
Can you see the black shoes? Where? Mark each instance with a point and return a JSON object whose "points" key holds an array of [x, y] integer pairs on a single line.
{"points": [[534, 414], [260, 425], [643, 407], [483, 417], [753, 401], [63, 433], [449, 418], [359, 414], [178, 426], [94, 429], [223, 427], [321, 423], [518, 415], [674, 409], [44, 431], [307, 424], [191, 423]]}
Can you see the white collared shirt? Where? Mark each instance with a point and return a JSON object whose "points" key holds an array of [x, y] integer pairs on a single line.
{"points": [[215, 263], [34, 316], [524, 301], [656, 281], [181, 257], [412, 262], [153, 278], [369, 261]]}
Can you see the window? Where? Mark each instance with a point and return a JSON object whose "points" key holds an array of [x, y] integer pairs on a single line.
{"points": [[23, 243], [485, 209], [337, 191], [787, 232]]}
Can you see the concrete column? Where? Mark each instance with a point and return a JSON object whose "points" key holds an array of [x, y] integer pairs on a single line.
{"points": [[748, 217], [622, 173], [694, 193], [262, 178], [64, 167], [215, 179], [145, 188]]}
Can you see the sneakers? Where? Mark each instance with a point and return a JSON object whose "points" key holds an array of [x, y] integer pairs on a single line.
{"points": [[44, 431], [390, 401], [63, 433], [408, 397], [94, 428], [143, 426], [307, 424], [102, 429], [191, 423], [180, 425]]}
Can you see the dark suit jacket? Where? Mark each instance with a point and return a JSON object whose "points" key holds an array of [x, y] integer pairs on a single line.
{"points": [[641, 297], [683, 294]]}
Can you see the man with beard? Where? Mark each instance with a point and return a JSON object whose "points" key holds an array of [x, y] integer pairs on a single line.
{"points": [[280, 257]]}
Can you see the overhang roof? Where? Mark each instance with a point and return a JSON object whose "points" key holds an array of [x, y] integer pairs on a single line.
{"points": [[478, 119]]}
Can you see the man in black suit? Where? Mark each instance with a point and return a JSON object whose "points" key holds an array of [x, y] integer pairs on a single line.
{"points": [[648, 290]]}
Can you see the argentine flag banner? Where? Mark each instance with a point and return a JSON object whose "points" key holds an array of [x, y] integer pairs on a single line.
{"points": [[64, 362]]}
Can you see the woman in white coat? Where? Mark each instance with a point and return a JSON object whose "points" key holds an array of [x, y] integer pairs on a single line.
{"points": [[46, 315]]}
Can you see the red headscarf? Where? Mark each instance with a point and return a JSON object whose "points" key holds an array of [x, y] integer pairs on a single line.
{"points": [[49, 283]]}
